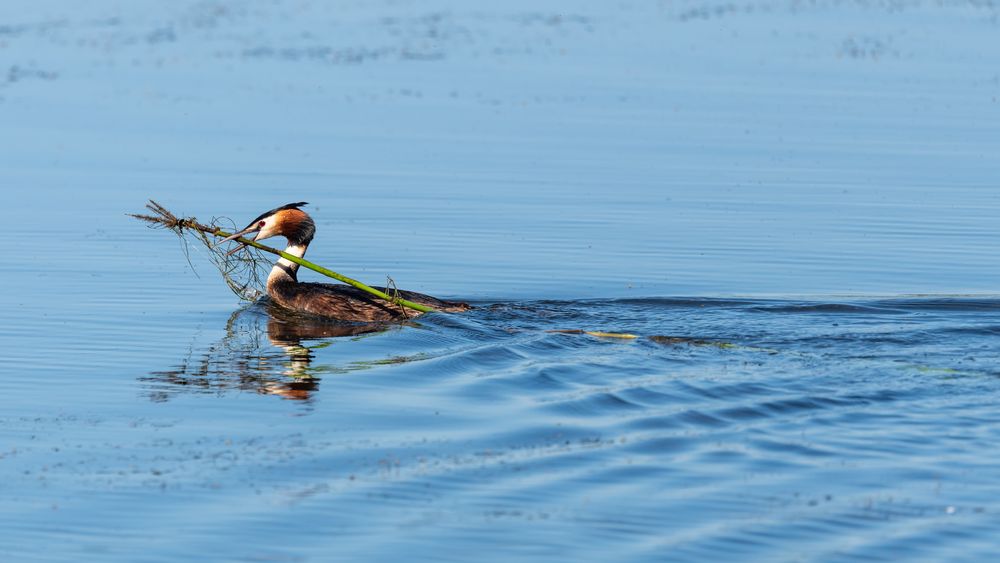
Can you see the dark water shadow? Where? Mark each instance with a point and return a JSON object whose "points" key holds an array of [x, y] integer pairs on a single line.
{"points": [[266, 350]]}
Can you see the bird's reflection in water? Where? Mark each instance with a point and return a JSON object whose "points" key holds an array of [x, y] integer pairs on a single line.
{"points": [[266, 350]]}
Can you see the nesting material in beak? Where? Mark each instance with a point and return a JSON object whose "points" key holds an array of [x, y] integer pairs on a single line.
{"points": [[251, 229]]}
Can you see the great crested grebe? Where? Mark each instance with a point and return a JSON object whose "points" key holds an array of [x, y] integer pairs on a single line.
{"points": [[339, 302]]}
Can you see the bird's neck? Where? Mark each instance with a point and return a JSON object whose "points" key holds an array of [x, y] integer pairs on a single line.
{"points": [[285, 270]]}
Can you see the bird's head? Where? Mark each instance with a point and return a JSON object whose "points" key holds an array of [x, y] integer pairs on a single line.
{"points": [[287, 221]]}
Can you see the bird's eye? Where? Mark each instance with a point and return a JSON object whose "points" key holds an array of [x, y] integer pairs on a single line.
{"points": [[261, 224]]}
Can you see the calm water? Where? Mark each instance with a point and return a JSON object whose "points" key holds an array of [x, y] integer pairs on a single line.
{"points": [[792, 204]]}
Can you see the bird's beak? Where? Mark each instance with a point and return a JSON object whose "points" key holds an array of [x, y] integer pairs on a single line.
{"points": [[246, 231]]}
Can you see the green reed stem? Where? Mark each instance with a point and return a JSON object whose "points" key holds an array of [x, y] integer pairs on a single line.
{"points": [[314, 267], [162, 216]]}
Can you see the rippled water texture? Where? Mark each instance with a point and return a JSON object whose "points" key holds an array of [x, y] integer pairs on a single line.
{"points": [[792, 205]]}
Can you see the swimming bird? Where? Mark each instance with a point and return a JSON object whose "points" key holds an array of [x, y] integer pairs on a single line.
{"points": [[333, 301]]}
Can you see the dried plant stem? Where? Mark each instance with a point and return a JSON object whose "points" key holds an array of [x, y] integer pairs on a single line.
{"points": [[165, 218]]}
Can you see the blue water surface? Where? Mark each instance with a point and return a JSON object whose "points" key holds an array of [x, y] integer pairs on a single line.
{"points": [[791, 205]]}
